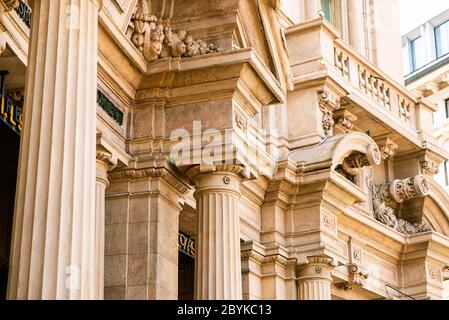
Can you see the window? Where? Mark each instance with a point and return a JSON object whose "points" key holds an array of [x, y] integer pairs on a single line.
{"points": [[418, 52], [327, 8], [446, 105], [446, 173], [442, 39]]}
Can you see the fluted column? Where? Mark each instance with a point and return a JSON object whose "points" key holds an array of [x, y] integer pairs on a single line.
{"points": [[356, 21], [312, 9], [217, 266], [314, 281], [105, 163], [53, 249]]}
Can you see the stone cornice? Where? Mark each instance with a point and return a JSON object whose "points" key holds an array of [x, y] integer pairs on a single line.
{"points": [[11, 4], [197, 170], [151, 173], [262, 259]]}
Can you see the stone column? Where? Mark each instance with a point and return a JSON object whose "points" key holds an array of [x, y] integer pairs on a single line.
{"points": [[53, 245], [312, 9], [105, 163], [218, 266], [357, 30], [314, 281]]}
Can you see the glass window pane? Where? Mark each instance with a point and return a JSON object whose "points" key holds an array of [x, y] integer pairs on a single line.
{"points": [[406, 59], [418, 53], [446, 172], [442, 39], [326, 7], [447, 108]]}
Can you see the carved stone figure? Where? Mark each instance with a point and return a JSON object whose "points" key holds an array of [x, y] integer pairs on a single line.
{"points": [[174, 43], [155, 40], [384, 214], [155, 47], [193, 48]]}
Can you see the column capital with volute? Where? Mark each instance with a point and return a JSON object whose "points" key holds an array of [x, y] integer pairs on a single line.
{"points": [[314, 278]]}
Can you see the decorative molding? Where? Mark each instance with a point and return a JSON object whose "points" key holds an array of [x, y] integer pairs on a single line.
{"points": [[197, 170], [262, 259], [11, 4], [319, 260], [435, 273], [329, 222], [122, 5], [106, 158], [152, 173], [328, 103], [240, 121], [429, 167], [345, 119], [357, 275], [405, 189], [157, 40], [388, 195]]}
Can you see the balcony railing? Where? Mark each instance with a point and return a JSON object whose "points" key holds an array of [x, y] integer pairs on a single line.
{"points": [[374, 84], [317, 52]]}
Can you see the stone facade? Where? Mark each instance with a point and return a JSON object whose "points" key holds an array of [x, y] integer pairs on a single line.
{"points": [[274, 135]]}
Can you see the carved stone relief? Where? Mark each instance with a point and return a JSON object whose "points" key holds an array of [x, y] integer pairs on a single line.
{"points": [[156, 39], [388, 195], [328, 103]]}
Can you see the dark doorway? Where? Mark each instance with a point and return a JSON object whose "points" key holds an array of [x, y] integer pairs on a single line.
{"points": [[186, 272], [9, 154]]}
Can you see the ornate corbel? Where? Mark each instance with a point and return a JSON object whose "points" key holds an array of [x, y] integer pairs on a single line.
{"points": [[157, 40], [387, 148], [405, 189], [388, 195], [328, 104], [429, 167], [357, 275], [344, 119]]}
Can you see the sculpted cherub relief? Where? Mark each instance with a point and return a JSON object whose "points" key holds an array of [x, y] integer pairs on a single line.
{"points": [[156, 40]]}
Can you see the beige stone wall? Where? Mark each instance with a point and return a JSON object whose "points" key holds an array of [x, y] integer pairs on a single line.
{"points": [[327, 191]]}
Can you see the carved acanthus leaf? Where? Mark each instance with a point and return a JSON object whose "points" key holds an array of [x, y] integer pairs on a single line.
{"points": [[387, 195]]}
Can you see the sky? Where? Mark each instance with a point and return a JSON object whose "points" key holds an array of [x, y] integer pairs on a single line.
{"points": [[416, 12]]}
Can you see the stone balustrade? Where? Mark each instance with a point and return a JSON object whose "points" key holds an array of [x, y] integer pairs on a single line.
{"points": [[374, 84], [326, 57]]}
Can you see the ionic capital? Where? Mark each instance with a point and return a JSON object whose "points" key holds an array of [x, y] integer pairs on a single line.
{"points": [[105, 158], [217, 178], [316, 267]]}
